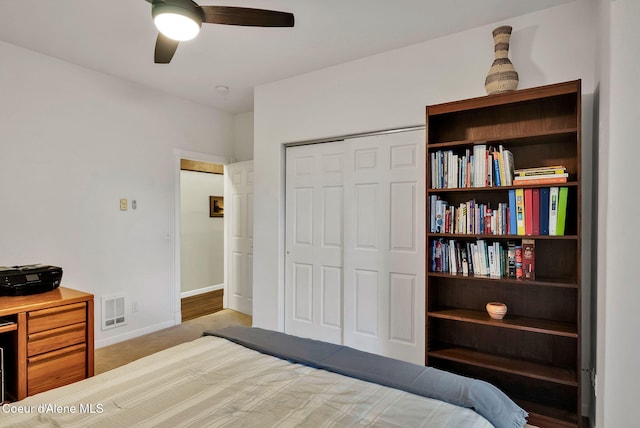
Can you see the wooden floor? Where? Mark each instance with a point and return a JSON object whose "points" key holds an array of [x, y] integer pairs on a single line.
{"points": [[201, 304]]}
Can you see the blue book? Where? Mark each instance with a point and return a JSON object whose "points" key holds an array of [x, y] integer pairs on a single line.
{"points": [[544, 211], [513, 228]]}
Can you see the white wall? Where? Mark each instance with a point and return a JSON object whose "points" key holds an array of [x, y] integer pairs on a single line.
{"points": [[202, 237], [618, 356], [243, 136], [72, 143], [391, 90]]}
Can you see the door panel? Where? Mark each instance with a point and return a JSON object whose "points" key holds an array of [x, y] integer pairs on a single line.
{"points": [[314, 237], [239, 236]]}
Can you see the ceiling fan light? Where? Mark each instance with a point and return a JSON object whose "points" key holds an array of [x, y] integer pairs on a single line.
{"points": [[175, 22], [176, 27]]}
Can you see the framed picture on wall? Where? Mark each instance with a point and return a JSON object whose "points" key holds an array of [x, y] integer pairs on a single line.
{"points": [[216, 206]]}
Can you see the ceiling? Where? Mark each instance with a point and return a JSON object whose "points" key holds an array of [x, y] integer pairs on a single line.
{"points": [[117, 37]]}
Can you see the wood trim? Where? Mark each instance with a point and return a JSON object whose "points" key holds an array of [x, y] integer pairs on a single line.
{"points": [[21, 357], [90, 339], [10, 305], [198, 166], [201, 304]]}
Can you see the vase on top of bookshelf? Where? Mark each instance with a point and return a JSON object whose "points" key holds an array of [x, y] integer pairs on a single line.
{"points": [[502, 75], [503, 196]]}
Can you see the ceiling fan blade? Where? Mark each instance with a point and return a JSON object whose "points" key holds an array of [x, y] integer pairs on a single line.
{"points": [[246, 16], [165, 48]]}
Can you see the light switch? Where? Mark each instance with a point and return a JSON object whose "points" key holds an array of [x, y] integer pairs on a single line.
{"points": [[123, 204]]}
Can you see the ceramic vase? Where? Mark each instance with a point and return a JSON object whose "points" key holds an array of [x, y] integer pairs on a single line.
{"points": [[502, 75]]}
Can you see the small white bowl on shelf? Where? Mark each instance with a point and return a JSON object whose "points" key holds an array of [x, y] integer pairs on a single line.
{"points": [[496, 310]]}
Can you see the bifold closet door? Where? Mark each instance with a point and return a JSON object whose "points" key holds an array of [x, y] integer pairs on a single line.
{"points": [[314, 241], [384, 290], [354, 268]]}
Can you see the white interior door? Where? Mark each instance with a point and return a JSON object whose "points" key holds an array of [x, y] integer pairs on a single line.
{"points": [[384, 262], [238, 213], [355, 225], [314, 241]]}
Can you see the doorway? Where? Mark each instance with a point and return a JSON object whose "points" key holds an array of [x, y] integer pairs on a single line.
{"points": [[179, 156], [238, 232], [202, 242]]}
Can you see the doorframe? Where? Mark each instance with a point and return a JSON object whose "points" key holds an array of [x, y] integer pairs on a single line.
{"points": [[177, 270]]}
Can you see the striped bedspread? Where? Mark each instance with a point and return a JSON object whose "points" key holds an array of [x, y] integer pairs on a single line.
{"points": [[212, 382]]}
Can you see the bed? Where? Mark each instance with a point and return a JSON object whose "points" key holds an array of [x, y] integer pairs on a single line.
{"points": [[250, 377]]}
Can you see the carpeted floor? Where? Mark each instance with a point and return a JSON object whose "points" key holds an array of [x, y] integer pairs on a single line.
{"points": [[112, 356]]}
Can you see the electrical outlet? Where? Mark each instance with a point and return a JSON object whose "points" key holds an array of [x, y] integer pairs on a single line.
{"points": [[123, 204], [134, 307]]}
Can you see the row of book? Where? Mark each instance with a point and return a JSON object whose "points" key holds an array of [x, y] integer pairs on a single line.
{"points": [[529, 212], [479, 166], [482, 258], [556, 174], [468, 218]]}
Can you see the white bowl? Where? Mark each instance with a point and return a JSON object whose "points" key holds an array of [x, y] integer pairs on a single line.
{"points": [[496, 310]]}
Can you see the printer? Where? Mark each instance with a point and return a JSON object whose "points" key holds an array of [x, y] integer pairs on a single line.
{"points": [[28, 279]]}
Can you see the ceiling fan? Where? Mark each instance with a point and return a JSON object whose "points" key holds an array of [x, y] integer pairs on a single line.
{"points": [[180, 20]]}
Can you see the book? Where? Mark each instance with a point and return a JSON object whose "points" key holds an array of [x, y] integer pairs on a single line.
{"points": [[540, 181], [528, 259], [501, 164], [554, 169], [562, 210], [511, 259], [518, 261], [536, 211], [544, 211], [553, 210], [441, 208], [507, 160], [539, 176], [520, 211], [528, 212], [513, 228]]}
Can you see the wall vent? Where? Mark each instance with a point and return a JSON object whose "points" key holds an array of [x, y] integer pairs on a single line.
{"points": [[113, 311]]}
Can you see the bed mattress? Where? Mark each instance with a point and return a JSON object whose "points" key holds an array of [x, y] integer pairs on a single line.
{"points": [[212, 382]]}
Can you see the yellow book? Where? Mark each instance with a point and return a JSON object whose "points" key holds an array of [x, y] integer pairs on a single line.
{"points": [[520, 211]]}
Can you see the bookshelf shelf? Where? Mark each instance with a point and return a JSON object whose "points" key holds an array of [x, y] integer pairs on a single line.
{"points": [[533, 353], [519, 139], [521, 367], [513, 322], [476, 190], [539, 281]]}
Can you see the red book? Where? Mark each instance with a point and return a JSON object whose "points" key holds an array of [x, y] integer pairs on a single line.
{"points": [[536, 211], [528, 211], [518, 262]]}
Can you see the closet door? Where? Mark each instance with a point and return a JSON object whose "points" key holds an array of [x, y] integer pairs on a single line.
{"points": [[314, 241], [384, 292], [354, 265]]}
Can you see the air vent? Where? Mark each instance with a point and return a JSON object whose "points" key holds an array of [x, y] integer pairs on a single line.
{"points": [[113, 311]]}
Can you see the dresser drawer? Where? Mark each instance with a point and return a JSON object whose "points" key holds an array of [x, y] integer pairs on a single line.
{"points": [[57, 368], [50, 340], [55, 317]]}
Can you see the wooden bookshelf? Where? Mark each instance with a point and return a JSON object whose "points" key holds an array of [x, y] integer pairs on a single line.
{"points": [[533, 353]]}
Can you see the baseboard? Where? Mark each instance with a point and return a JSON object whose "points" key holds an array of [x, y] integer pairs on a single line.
{"points": [[130, 335], [201, 290]]}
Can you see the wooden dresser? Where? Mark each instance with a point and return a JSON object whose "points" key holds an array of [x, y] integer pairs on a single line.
{"points": [[49, 342]]}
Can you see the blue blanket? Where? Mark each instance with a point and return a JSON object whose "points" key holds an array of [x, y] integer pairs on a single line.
{"points": [[484, 398]]}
